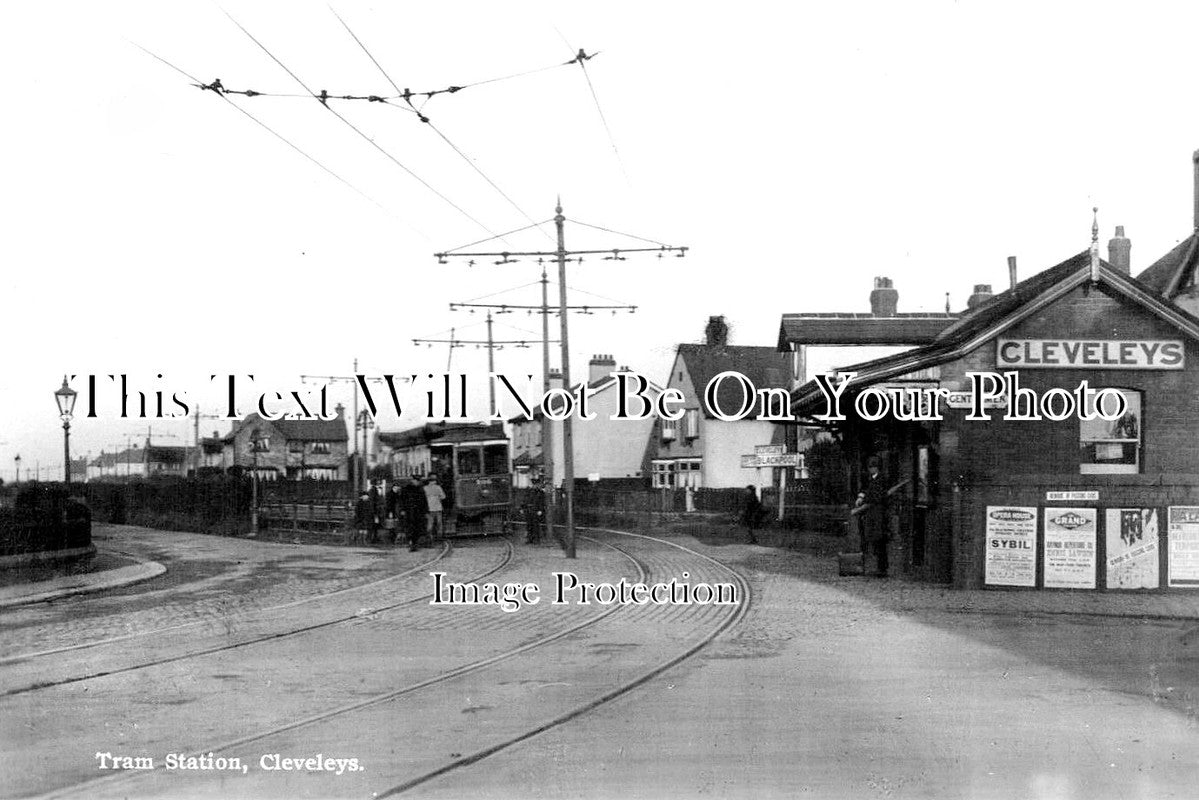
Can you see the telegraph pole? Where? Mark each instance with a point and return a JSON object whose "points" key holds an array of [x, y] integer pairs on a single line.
{"points": [[354, 471], [562, 255], [547, 428]]}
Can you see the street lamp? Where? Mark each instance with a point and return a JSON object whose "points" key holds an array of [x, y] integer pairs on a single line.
{"points": [[65, 397], [17, 470]]}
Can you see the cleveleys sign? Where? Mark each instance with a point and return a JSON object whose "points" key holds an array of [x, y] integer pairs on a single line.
{"points": [[1090, 353]]}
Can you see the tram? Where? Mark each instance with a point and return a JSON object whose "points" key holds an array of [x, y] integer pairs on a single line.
{"points": [[470, 462]]}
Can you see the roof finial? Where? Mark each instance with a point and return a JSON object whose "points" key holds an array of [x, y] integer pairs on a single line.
{"points": [[1095, 246]]}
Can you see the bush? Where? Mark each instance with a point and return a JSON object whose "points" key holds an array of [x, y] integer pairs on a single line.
{"points": [[44, 517]]}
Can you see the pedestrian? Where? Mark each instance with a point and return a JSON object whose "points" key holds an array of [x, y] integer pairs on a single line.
{"points": [[871, 509], [751, 515], [376, 501], [535, 514], [393, 511], [364, 515], [434, 496], [414, 506]]}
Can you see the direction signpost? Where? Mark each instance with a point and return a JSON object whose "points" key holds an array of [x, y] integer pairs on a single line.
{"points": [[774, 455]]}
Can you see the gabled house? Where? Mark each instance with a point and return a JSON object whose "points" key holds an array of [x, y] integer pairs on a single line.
{"points": [[605, 449], [291, 449], [700, 450]]}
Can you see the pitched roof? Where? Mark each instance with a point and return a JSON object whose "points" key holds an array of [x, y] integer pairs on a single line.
{"points": [[861, 329], [1171, 270], [765, 367], [297, 430], [1002, 311], [443, 433], [166, 454]]}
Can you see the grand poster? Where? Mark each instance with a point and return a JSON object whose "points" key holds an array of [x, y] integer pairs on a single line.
{"points": [[1070, 542], [1011, 546], [1132, 548], [1183, 550]]}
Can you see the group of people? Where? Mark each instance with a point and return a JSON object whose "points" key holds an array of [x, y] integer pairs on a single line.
{"points": [[410, 509]]}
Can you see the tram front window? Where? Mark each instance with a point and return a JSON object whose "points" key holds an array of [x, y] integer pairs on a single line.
{"points": [[495, 459], [469, 459]]}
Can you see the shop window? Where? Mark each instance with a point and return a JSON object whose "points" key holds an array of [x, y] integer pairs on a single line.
{"points": [[1110, 447]]}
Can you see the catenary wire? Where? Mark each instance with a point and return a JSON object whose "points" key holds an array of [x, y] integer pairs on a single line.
{"points": [[359, 131]]}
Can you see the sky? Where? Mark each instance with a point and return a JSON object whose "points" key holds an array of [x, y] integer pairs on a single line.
{"points": [[797, 149]]}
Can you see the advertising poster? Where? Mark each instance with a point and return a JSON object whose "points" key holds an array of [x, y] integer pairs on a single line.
{"points": [[1070, 541], [1011, 546], [1132, 548], [1183, 550]]}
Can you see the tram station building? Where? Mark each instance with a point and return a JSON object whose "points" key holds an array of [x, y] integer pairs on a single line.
{"points": [[1060, 502]]}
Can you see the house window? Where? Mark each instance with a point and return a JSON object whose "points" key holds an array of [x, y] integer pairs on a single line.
{"points": [[260, 445], [1112, 446], [688, 474], [670, 430], [663, 477], [320, 448], [295, 447], [691, 423]]}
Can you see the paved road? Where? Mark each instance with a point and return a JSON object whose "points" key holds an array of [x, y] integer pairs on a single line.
{"points": [[814, 687]]}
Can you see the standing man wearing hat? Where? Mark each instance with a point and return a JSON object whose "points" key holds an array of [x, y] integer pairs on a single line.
{"points": [[434, 496], [872, 510], [414, 508]]}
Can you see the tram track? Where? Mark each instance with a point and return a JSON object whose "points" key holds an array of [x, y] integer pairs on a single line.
{"points": [[473, 758], [445, 551], [714, 623], [374, 700], [274, 636]]}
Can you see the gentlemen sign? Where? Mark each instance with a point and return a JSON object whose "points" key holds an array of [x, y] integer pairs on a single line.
{"points": [[1090, 353]]}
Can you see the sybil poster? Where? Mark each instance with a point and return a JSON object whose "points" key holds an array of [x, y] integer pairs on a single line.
{"points": [[1132, 549]]}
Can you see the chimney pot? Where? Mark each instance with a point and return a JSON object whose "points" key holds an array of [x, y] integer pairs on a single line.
{"points": [[1011, 272], [982, 293]]}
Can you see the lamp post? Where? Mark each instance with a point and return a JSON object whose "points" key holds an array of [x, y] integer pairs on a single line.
{"points": [[255, 448], [65, 397], [17, 469]]}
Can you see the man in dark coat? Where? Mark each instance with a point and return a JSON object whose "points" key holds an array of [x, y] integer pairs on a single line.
{"points": [[751, 515], [535, 514], [364, 516], [872, 513], [415, 507], [394, 513]]}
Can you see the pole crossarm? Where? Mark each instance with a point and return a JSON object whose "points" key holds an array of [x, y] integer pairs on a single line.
{"points": [[612, 254], [461, 342], [502, 307]]}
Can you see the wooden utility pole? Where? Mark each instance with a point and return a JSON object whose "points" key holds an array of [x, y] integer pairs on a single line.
{"points": [[562, 255]]}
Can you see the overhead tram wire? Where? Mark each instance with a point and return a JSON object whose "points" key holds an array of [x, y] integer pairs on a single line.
{"points": [[423, 118], [357, 130], [286, 141]]}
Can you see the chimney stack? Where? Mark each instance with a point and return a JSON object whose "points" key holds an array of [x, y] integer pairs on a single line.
{"points": [[982, 293], [1119, 252], [600, 367], [1011, 272], [716, 333], [884, 299], [340, 409]]}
